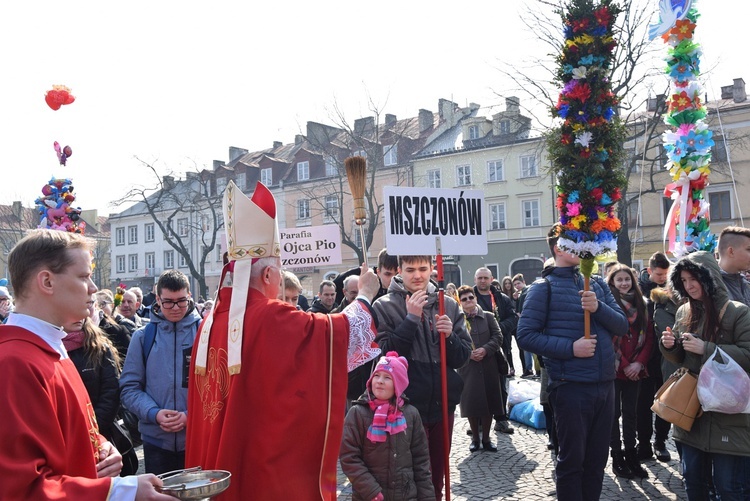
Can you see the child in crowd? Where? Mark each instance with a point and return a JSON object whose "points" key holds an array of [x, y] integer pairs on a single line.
{"points": [[632, 352], [384, 449]]}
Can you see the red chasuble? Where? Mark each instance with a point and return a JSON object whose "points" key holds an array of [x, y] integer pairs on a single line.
{"points": [[277, 425], [48, 428]]}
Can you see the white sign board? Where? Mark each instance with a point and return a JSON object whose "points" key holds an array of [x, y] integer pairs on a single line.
{"points": [[310, 246], [415, 216]]}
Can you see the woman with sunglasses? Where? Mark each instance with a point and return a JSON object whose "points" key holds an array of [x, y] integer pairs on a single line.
{"points": [[480, 399]]}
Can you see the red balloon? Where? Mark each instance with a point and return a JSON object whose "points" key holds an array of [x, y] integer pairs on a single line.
{"points": [[58, 96]]}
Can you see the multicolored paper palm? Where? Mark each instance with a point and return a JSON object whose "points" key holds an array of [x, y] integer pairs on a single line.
{"points": [[688, 145], [586, 150]]}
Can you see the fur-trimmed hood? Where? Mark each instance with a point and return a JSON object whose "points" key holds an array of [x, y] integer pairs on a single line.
{"points": [[660, 295], [704, 266]]}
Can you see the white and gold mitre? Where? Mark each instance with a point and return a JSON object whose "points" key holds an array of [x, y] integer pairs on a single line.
{"points": [[251, 226], [252, 233]]}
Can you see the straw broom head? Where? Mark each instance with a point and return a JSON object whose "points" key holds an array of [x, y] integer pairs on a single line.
{"points": [[356, 173]]}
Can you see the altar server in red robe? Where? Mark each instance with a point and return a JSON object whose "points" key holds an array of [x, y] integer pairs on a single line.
{"points": [[267, 391], [51, 446]]}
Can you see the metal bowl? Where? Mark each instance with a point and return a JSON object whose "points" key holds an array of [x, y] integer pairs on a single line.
{"points": [[196, 485]]}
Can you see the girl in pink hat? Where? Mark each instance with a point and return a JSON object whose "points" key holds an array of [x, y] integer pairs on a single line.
{"points": [[384, 449]]}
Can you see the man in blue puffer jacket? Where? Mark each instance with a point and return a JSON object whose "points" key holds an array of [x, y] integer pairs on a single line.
{"points": [[154, 380], [581, 371]]}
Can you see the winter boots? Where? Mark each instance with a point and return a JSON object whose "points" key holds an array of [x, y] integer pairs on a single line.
{"points": [[634, 464], [619, 466]]}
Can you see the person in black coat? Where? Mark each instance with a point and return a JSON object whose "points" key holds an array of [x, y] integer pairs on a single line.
{"points": [[98, 363]]}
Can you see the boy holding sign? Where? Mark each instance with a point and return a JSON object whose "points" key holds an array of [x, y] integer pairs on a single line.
{"points": [[409, 324]]}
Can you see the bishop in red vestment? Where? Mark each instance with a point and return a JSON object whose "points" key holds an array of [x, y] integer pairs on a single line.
{"points": [[272, 412]]}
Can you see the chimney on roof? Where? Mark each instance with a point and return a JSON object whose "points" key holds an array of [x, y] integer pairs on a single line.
{"points": [[426, 120], [364, 125], [738, 91], [512, 105], [390, 120], [17, 209], [235, 153], [168, 182], [299, 139], [446, 108], [218, 164], [277, 144], [656, 103]]}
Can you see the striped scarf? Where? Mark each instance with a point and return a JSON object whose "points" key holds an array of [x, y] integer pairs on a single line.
{"points": [[388, 418]]}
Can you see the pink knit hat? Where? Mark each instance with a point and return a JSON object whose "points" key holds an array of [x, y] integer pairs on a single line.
{"points": [[397, 367]]}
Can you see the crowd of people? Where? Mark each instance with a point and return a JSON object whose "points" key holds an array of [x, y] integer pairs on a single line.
{"points": [[78, 364]]}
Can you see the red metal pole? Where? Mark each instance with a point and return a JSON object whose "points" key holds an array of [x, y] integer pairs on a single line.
{"points": [[444, 378]]}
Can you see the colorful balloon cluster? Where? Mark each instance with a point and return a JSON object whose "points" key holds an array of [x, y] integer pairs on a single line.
{"points": [[54, 207], [586, 150], [58, 96], [688, 145]]}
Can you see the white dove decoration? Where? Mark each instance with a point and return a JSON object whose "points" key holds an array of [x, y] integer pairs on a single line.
{"points": [[669, 12]]}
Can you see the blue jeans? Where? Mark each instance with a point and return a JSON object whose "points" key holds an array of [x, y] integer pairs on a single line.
{"points": [[160, 460], [728, 474], [529, 358], [583, 415]]}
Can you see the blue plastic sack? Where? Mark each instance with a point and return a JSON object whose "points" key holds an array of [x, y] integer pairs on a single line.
{"points": [[529, 413]]}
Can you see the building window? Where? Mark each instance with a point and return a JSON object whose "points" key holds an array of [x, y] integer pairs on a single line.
{"points": [[150, 264], [219, 254], [303, 209], [332, 208], [497, 216], [495, 171], [182, 227], [390, 157], [331, 170], [182, 261], [356, 237], [633, 213], [721, 205], [266, 176], [120, 262], [463, 175], [169, 260], [504, 126], [719, 150], [132, 262], [528, 166], [241, 180], [530, 210], [360, 153], [221, 185], [473, 132], [433, 178], [132, 234], [120, 237], [666, 203], [303, 171], [149, 230]]}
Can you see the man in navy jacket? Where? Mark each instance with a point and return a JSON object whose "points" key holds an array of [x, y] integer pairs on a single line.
{"points": [[581, 371]]}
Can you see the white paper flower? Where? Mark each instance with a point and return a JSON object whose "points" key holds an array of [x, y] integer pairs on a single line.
{"points": [[579, 73], [584, 139]]}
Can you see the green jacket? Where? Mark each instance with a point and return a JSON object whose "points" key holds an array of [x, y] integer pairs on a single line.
{"points": [[713, 431]]}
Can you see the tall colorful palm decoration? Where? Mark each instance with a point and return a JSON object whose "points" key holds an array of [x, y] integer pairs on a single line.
{"points": [[586, 150], [688, 145]]}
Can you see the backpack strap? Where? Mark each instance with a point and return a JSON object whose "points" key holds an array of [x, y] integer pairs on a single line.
{"points": [[149, 336]]}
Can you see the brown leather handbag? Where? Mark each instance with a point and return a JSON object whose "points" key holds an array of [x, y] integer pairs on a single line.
{"points": [[677, 399]]}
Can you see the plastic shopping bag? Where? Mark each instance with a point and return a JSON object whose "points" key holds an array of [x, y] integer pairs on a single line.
{"points": [[724, 387], [529, 413], [523, 390]]}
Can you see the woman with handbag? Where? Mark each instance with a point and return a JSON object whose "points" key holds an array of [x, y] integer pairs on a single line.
{"points": [[633, 351], [716, 451]]}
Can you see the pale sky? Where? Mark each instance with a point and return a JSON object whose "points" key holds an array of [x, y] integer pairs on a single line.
{"points": [[179, 82]]}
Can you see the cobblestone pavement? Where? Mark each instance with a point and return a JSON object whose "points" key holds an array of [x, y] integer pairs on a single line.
{"points": [[522, 470]]}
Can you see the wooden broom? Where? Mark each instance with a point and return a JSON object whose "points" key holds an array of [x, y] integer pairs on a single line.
{"points": [[356, 173]]}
